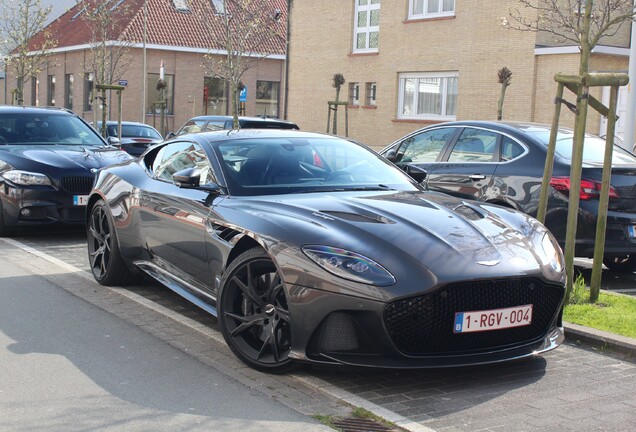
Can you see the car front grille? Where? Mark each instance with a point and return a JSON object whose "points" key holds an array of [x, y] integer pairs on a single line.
{"points": [[423, 325], [77, 185]]}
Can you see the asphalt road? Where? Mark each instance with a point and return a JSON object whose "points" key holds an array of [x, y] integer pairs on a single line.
{"points": [[66, 365], [572, 388]]}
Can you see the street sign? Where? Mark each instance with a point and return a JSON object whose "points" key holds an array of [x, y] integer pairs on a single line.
{"points": [[123, 82], [243, 95]]}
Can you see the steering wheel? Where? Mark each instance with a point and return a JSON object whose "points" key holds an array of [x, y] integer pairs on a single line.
{"points": [[340, 176]]}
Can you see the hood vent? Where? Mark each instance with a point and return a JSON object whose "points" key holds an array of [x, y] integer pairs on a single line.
{"points": [[468, 212], [356, 217]]}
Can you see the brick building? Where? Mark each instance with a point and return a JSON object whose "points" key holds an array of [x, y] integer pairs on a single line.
{"points": [[174, 37], [450, 50]]}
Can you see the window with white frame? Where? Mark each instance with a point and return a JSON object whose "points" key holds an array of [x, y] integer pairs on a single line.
{"points": [[366, 28], [354, 93], [431, 8], [428, 96], [370, 97]]}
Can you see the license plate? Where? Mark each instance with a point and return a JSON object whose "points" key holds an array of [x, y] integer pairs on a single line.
{"points": [[495, 319], [80, 200], [631, 229]]}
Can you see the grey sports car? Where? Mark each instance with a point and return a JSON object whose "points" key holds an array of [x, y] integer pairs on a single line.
{"points": [[311, 248]]}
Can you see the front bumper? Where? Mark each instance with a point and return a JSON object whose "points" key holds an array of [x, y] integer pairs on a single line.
{"points": [[39, 205], [331, 328]]}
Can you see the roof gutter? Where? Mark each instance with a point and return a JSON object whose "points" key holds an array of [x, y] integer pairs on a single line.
{"points": [[83, 47]]}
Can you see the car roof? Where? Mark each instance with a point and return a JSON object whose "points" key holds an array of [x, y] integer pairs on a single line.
{"points": [[229, 135], [503, 125], [13, 109], [241, 118]]}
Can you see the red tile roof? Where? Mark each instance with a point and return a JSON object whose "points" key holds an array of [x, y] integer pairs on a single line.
{"points": [[166, 26]]}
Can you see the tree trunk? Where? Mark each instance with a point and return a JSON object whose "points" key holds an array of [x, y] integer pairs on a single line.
{"points": [[577, 151], [501, 101]]}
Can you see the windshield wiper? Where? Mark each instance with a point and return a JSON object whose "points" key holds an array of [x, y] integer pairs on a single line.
{"points": [[379, 187]]}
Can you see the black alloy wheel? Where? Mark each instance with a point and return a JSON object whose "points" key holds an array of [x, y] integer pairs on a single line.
{"points": [[107, 266], [621, 264], [253, 313]]}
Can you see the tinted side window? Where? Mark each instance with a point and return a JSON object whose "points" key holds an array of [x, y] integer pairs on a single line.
{"points": [[424, 147], [510, 149], [474, 145], [178, 156]]}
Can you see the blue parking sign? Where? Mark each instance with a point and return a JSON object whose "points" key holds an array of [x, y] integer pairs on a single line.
{"points": [[243, 95]]}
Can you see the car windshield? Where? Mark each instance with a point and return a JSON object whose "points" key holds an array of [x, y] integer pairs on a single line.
{"points": [[593, 148], [29, 128], [302, 165], [134, 131]]}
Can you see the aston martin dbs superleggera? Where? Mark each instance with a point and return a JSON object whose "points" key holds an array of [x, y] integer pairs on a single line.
{"points": [[311, 248]]}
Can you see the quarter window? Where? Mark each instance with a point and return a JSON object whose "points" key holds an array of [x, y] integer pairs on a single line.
{"points": [[366, 26], [428, 96], [431, 8]]}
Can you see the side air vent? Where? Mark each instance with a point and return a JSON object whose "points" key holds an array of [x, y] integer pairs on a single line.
{"points": [[225, 233]]}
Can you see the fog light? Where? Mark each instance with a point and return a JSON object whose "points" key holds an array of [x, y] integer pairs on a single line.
{"points": [[25, 212]]}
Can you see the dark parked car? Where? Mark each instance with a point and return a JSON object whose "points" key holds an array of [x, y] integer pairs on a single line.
{"points": [[503, 163], [218, 122], [48, 159], [311, 248], [135, 137]]}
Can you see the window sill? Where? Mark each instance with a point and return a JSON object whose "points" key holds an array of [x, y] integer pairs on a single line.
{"points": [[353, 106], [369, 107], [421, 121], [418, 20], [363, 54]]}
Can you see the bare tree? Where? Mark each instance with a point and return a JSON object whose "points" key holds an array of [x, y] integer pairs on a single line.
{"points": [[504, 77], [584, 23], [24, 54], [248, 32], [564, 19], [109, 56]]}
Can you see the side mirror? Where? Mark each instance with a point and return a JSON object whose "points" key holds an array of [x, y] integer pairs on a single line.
{"points": [[187, 178], [418, 174], [190, 178], [114, 141], [391, 155]]}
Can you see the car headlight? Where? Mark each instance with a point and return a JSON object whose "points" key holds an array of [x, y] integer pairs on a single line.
{"points": [[552, 252], [349, 265], [26, 178]]}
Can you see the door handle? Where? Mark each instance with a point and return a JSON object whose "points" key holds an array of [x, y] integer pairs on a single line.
{"points": [[477, 177]]}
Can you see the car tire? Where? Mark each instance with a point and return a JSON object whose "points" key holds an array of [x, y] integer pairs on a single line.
{"points": [[621, 264], [104, 257], [253, 315]]}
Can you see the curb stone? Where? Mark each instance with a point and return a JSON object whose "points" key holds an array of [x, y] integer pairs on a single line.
{"points": [[600, 339]]}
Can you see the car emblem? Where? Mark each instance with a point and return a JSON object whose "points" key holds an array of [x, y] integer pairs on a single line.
{"points": [[93, 170], [490, 263]]}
